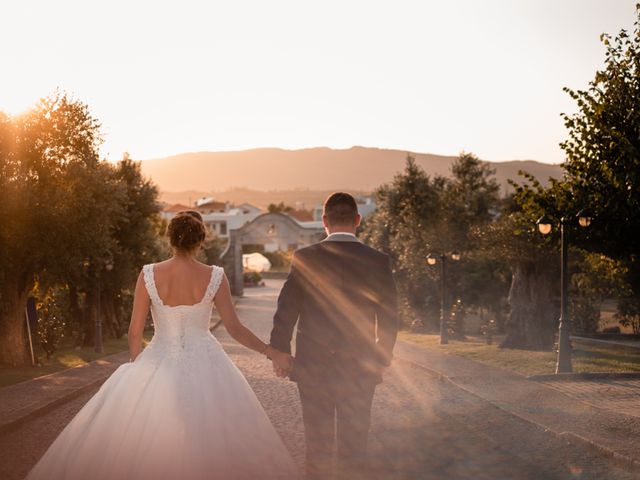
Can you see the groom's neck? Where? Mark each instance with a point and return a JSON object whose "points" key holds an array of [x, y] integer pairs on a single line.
{"points": [[341, 229]]}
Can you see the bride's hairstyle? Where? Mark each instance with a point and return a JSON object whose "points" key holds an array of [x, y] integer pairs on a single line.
{"points": [[186, 230]]}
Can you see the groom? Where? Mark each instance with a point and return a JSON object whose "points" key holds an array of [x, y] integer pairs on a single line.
{"points": [[343, 297]]}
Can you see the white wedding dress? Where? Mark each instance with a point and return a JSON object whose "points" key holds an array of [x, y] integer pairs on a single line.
{"points": [[181, 411]]}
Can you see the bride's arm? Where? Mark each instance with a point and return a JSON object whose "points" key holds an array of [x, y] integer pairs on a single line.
{"points": [[139, 313], [240, 333]]}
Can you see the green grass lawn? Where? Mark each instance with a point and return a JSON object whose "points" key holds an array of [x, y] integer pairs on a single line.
{"points": [[586, 358], [65, 357]]}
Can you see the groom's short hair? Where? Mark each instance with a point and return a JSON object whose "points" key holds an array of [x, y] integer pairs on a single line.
{"points": [[341, 209]]}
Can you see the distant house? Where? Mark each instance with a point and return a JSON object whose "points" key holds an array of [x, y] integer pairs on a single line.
{"points": [[248, 208], [219, 217], [232, 219], [301, 215], [268, 232], [169, 211], [209, 205], [301, 234]]}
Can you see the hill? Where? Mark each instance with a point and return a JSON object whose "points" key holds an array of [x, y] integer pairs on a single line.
{"points": [[302, 199], [313, 169]]}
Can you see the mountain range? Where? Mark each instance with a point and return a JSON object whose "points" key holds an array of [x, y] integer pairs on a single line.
{"points": [[320, 169]]}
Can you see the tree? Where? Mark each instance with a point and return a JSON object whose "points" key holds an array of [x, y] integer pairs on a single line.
{"points": [[213, 248], [36, 152], [474, 191], [135, 235], [92, 202], [471, 202], [279, 208], [629, 305], [407, 213], [513, 238], [532, 312], [629, 313], [66, 215], [595, 277], [484, 281], [417, 215], [602, 166], [51, 323]]}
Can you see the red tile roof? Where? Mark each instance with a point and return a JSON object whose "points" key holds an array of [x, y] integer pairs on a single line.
{"points": [[177, 207]]}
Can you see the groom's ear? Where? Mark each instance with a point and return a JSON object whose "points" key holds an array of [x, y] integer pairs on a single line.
{"points": [[358, 220], [325, 221]]}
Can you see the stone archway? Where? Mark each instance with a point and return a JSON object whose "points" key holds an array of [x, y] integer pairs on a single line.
{"points": [[268, 228]]}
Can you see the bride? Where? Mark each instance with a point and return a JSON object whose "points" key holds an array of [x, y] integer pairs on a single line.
{"points": [[180, 410]]}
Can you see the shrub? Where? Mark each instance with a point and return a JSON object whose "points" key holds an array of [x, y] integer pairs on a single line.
{"points": [[279, 259], [51, 324], [629, 313], [252, 278]]}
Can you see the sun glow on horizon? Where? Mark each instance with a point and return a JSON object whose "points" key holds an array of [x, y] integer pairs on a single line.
{"points": [[428, 77], [15, 108]]}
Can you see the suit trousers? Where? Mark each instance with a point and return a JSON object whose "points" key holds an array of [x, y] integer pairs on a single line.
{"points": [[336, 408]]}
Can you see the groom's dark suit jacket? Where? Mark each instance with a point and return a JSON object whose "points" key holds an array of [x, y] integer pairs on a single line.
{"points": [[343, 296]]}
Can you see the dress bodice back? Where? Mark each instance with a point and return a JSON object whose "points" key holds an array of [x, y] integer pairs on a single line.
{"points": [[181, 325]]}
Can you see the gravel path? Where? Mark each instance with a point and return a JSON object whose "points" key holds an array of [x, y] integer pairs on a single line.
{"points": [[422, 428], [278, 396]]}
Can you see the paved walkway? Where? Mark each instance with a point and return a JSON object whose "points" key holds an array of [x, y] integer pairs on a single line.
{"points": [[435, 416], [26, 400], [580, 411], [617, 395]]}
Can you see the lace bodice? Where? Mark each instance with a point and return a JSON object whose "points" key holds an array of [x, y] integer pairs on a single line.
{"points": [[181, 326]]}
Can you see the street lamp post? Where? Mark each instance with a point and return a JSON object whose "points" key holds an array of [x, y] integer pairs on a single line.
{"points": [[563, 364], [98, 343], [444, 310]]}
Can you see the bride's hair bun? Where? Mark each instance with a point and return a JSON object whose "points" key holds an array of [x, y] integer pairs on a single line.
{"points": [[186, 230]]}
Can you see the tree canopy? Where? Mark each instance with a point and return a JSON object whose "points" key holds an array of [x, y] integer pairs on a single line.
{"points": [[418, 215], [65, 216], [602, 166]]}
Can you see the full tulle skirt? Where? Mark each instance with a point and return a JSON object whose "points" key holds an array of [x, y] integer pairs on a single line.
{"points": [[175, 413]]}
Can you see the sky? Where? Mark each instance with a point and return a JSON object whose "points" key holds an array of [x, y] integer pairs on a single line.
{"points": [[168, 77]]}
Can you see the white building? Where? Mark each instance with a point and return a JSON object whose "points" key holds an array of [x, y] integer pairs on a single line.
{"points": [[219, 217]]}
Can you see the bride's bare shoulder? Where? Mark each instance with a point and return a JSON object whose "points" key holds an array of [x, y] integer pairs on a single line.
{"points": [[203, 267]]}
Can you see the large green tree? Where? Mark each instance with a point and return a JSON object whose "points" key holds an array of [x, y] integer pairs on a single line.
{"points": [[65, 217], [408, 211], [470, 204], [418, 215], [602, 166], [37, 152], [514, 240], [135, 239]]}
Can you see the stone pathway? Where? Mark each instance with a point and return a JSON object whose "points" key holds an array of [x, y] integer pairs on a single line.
{"points": [[618, 395], [554, 409], [278, 396], [21, 447], [26, 400]]}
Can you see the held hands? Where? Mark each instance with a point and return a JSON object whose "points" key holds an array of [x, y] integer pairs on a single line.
{"points": [[282, 362]]}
